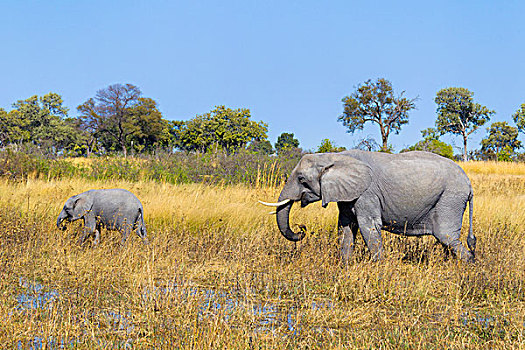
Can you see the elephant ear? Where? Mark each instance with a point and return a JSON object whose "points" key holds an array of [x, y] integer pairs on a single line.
{"points": [[82, 205], [344, 180]]}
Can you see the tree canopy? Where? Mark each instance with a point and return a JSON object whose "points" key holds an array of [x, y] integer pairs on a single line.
{"points": [[328, 146], [13, 128], [40, 121], [431, 143], [375, 102], [458, 114], [519, 118], [222, 128], [286, 142], [261, 147], [501, 141], [119, 118]]}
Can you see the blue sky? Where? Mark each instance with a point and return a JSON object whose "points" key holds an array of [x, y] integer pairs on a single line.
{"points": [[289, 62]]}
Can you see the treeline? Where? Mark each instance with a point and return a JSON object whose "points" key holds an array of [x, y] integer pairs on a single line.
{"points": [[120, 120], [456, 113]]}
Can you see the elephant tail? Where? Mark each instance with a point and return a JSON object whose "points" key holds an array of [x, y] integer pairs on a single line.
{"points": [[471, 239]]}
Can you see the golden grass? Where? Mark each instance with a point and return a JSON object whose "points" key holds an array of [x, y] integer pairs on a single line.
{"points": [[218, 274], [493, 167]]}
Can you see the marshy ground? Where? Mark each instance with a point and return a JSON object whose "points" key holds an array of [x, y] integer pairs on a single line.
{"points": [[218, 274]]}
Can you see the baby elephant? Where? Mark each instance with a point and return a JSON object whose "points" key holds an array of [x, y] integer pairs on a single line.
{"points": [[115, 209]]}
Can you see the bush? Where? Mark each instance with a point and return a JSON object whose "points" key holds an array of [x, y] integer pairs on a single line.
{"points": [[434, 146], [218, 167], [18, 166]]}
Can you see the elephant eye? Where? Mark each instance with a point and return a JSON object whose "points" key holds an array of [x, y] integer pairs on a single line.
{"points": [[301, 179]]}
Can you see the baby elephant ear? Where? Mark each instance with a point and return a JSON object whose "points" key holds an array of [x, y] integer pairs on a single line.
{"points": [[83, 204], [344, 180]]}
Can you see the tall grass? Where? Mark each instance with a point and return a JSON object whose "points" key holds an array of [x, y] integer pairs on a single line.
{"points": [[213, 168], [218, 274], [493, 167]]}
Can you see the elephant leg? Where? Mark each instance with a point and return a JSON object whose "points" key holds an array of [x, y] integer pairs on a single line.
{"points": [[347, 227], [89, 228], [450, 240], [371, 231], [97, 233], [447, 230], [126, 229]]}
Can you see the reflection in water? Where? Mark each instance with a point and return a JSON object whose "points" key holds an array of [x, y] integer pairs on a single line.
{"points": [[268, 316], [34, 297]]}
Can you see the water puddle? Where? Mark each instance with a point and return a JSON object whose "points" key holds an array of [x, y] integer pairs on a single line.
{"points": [[35, 296], [268, 317], [487, 324]]}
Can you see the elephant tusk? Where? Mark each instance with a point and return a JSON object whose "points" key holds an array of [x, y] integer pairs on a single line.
{"points": [[272, 213], [278, 204]]}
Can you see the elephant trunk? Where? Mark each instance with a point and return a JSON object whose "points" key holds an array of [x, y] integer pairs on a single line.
{"points": [[283, 222], [61, 217]]}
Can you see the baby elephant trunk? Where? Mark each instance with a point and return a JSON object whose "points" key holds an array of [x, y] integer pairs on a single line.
{"points": [[143, 234], [141, 231], [60, 220]]}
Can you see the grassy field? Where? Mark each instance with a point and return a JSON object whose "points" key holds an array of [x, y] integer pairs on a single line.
{"points": [[218, 274]]}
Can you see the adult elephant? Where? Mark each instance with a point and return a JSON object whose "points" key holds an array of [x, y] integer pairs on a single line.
{"points": [[412, 193]]}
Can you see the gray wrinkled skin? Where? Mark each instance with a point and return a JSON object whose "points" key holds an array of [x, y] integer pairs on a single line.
{"points": [[412, 193], [115, 209]]}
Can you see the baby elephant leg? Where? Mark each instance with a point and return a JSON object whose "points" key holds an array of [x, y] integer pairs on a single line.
{"points": [[97, 233], [89, 228], [126, 229], [371, 232]]}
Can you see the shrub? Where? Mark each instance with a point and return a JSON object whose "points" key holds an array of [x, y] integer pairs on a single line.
{"points": [[217, 167]]}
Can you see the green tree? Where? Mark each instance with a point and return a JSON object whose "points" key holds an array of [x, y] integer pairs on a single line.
{"points": [[261, 147], [458, 114], [376, 102], [431, 143], [222, 128], [285, 142], [150, 129], [501, 142], [43, 118], [118, 117], [81, 142], [519, 118], [176, 128], [193, 135], [87, 124], [430, 134], [328, 146], [13, 128]]}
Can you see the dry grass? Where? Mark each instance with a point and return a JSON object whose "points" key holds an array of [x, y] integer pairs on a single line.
{"points": [[217, 274], [493, 167]]}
